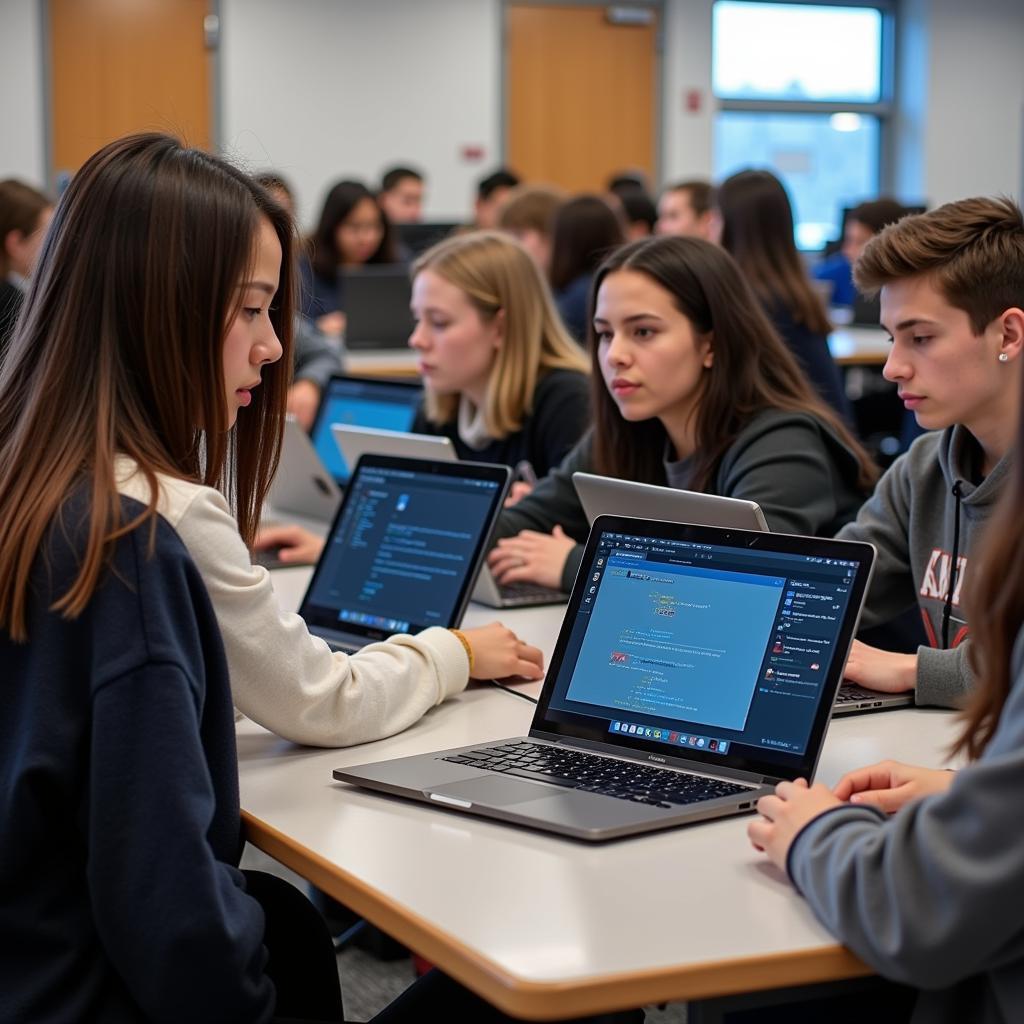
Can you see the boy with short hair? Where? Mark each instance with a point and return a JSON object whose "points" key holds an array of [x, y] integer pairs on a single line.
{"points": [[951, 283]]}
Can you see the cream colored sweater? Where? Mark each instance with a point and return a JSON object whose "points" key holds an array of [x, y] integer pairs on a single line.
{"points": [[281, 676]]}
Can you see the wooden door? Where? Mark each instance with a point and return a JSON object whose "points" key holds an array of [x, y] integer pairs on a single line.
{"points": [[119, 66], [581, 94]]}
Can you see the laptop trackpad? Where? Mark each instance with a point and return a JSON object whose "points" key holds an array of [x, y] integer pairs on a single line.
{"points": [[493, 791]]}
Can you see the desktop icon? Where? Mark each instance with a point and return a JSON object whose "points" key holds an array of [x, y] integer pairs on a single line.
{"points": [[615, 726], [700, 742]]}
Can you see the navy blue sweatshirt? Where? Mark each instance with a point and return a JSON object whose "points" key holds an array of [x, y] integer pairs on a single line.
{"points": [[120, 897]]}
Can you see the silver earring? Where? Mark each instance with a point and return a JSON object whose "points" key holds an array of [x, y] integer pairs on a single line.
{"points": [[1003, 357]]}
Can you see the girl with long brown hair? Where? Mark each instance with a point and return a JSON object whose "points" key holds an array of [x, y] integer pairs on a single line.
{"points": [[757, 230], [141, 410], [691, 388]]}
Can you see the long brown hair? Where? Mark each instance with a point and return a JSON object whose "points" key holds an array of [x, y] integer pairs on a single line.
{"points": [[757, 229], [120, 352], [752, 369]]}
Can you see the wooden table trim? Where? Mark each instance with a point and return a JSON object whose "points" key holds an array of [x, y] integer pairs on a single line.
{"points": [[550, 1000]]}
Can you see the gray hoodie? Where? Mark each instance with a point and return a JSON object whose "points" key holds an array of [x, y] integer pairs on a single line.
{"points": [[915, 521], [932, 896], [795, 467]]}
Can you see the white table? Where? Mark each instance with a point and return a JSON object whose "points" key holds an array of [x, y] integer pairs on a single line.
{"points": [[542, 926]]}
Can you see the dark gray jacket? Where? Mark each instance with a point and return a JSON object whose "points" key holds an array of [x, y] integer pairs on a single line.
{"points": [[316, 358], [795, 467], [912, 519], [932, 896]]}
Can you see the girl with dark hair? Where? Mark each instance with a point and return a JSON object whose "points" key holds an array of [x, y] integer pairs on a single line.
{"points": [[930, 896], [352, 232], [142, 405], [757, 230], [693, 389], [584, 231]]}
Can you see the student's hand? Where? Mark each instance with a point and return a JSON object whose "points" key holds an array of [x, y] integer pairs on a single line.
{"points": [[297, 545], [498, 653], [784, 814], [303, 401], [519, 490], [532, 557], [881, 670], [331, 324], [891, 785]]}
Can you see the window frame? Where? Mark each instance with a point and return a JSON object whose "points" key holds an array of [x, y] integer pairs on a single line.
{"points": [[884, 109]]}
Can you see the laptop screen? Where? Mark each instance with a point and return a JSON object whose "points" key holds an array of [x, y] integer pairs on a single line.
{"points": [[359, 402], [403, 551], [720, 645]]}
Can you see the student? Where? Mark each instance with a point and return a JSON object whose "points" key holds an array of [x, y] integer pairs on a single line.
{"points": [[352, 232], [119, 827], [491, 193], [639, 213], [24, 216], [401, 195], [280, 190], [757, 229], [930, 897], [863, 222], [502, 378], [317, 357], [952, 288], [691, 388], [688, 209], [527, 214], [583, 233]]}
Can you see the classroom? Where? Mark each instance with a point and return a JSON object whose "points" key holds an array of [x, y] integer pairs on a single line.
{"points": [[509, 511]]}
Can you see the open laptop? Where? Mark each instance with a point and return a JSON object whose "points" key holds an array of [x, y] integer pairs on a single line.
{"points": [[607, 496], [404, 549], [377, 307], [355, 441], [602, 495], [312, 472], [695, 669], [418, 237], [361, 402]]}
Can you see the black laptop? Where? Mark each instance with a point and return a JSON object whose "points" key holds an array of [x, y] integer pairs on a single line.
{"points": [[377, 311], [695, 669], [404, 550]]}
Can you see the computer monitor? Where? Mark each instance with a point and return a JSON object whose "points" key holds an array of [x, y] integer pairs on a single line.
{"points": [[377, 307]]}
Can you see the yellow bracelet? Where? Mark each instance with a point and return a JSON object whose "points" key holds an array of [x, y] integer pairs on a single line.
{"points": [[464, 640]]}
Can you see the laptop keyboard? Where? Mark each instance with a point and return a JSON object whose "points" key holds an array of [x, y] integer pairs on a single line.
{"points": [[853, 695], [591, 773], [529, 593]]}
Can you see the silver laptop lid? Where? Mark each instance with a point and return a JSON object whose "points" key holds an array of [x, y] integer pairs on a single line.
{"points": [[696, 644], [606, 496], [354, 442]]}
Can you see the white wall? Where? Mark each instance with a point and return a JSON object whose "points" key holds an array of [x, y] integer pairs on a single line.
{"points": [[973, 125], [322, 89], [21, 86]]}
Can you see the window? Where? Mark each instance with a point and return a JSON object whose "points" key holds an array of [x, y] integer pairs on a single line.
{"points": [[803, 91]]}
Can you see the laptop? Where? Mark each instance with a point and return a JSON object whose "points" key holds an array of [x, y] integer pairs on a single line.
{"points": [[602, 495], [404, 549], [361, 402], [605, 495], [377, 307], [354, 442], [418, 237], [312, 472], [695, 669]]}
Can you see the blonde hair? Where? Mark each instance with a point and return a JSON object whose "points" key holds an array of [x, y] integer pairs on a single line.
{"points": [[497, 274]]}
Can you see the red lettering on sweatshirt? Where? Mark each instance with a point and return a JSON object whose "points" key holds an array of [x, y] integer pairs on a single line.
{"points": [[935, 583]]}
